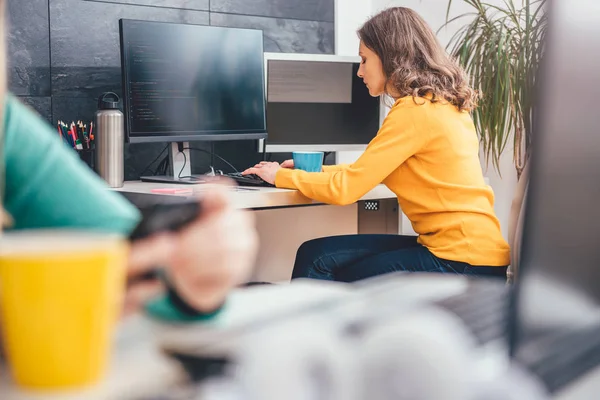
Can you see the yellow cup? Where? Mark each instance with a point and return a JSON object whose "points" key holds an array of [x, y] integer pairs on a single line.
{"points": [[61, 293]]}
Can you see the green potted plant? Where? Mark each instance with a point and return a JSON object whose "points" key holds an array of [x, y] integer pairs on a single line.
{"points": [[500, 47]]}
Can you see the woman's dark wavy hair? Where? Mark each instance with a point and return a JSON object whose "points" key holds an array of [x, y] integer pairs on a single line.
{"points": [[414, 62]]}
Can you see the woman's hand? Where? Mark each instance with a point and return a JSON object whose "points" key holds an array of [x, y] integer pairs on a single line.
{"points": [[288, 164], [204, 261], [266, 170]]}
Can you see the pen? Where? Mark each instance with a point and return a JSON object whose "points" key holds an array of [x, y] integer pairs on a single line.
{"points": [[79, 132], [76, 134], [91, 132], [86, 137], [78, 145], [66, 134]]}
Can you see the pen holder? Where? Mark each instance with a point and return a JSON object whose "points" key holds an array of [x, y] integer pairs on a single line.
{"points": [[88, 157], [80, 137]]}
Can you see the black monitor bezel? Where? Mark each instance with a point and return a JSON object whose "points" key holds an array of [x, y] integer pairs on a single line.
{"points": [[253, 134]]}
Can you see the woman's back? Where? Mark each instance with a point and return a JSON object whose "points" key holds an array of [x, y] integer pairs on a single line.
{"points": [[441, 187]]}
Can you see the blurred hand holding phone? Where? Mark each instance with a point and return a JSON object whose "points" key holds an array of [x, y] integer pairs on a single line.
{"points": [[209, 245], [157, 219]]}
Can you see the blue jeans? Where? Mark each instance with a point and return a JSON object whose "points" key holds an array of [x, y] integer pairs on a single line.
{"points": [[354, 257]]}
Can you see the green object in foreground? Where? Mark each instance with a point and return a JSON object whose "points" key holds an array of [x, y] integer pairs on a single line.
{"points": [[162, 310]]}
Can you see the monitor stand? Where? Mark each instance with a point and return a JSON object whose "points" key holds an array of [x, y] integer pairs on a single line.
{"points": [[179, 166], [170, 179]]}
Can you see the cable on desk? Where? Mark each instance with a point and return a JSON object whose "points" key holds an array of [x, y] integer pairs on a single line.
{"points": [[185, 160], [153, 161], [166, 168], [183, 166], [213, 154], [163, 166]]}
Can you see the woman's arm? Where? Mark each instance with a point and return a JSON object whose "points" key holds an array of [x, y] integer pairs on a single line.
{"points": [[397, 140], [48, 186], [334, 168]]}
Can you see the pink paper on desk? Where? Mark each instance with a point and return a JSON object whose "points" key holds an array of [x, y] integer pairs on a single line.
{"points": [[172, 191]]}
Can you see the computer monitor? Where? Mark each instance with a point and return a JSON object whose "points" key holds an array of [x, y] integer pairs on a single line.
{"points": [[316, 102], [185, 83]]}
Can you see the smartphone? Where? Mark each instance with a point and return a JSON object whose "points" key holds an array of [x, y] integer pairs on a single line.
{"points": [[166, 217]]}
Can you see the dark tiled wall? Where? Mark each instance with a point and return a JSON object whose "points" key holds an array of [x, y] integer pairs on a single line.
{"points": [[64, 53]]}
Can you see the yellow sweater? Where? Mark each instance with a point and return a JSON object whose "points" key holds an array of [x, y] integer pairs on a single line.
{"points": [[428, 155]]}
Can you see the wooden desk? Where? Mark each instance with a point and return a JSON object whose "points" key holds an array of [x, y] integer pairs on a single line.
{"points": [[285, 218], [138, 369], [244, 197]]}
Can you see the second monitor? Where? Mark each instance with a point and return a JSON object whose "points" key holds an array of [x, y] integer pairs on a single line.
{"points": [[317, 102]]}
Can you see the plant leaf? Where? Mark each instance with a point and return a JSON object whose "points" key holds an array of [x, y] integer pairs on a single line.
{"points": [[500, 47]]}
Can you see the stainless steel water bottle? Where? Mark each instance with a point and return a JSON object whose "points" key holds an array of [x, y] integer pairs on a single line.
{"points": [[110, 140]]}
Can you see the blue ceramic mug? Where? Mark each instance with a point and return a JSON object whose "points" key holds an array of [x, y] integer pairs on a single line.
{"points": [[309, 161]]}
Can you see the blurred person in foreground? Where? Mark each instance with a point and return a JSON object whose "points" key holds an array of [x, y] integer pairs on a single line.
{"points": [[46, 186]]}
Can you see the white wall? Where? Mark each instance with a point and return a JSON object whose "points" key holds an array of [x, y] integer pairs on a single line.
{"points": [[349, 16], [434, 12]]}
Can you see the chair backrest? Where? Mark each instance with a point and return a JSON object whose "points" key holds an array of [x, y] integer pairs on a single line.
{"points": [[515, 224]]}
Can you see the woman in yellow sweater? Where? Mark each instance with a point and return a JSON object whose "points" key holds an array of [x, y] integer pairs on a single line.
{"points": [[426, 152]]}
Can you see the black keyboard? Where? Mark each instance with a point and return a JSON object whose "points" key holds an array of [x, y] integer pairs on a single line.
{"points": [[248, 180], [563, 358], [483, 307]]}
